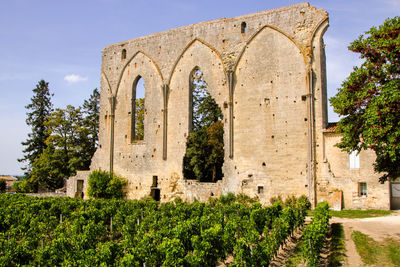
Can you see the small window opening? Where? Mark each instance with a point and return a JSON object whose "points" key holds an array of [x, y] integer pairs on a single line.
{"points": [[244, 27], [138, 110], [354, 160], [362, 189], [123, 54], [260, 189]]}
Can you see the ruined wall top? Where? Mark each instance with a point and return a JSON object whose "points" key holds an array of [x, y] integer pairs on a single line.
{"points": [[224, 36]]}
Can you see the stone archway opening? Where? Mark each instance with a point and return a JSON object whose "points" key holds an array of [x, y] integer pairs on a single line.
{"points": [[204, 155], [137, 109]]}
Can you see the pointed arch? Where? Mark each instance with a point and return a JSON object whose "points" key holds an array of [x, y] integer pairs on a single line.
{"points": [[270, 81], [134, 99], [301, 49], [139, 65], [187, 48], [196, 68], [109, 90], [197, 54], [129, 61], [320, 30]]}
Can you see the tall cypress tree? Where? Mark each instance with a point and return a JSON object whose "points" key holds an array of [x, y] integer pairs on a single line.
{"points": [[204, 155], [89, 133], [38, 111]]}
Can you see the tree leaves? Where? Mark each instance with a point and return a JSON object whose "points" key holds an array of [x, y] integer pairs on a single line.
{"points": [[369, 99], [103, 184], [38, 111], [204, 155], [71, 141]]}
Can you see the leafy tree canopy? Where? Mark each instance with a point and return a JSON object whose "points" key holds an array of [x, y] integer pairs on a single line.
{"points": [[369, 99], [205, 110], [139, 119], [71, 140], [205, 145], [63, 155], [91, 111], [38, 111], [103, 184]]}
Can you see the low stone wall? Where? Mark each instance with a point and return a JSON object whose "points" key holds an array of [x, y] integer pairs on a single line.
{"points": [[195, 190], [47, 194]]}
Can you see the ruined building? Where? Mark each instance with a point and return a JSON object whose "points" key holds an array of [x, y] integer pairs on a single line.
{"points": [[266, 71]]}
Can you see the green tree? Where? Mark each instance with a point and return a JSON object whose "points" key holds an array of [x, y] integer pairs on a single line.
{"points": [[64, 153], [103, 184], [38, 111], [90, 128], [50, 169], [204, 108], [369, 99], [205, 144], [139, 119], [22, 186], [71, 142]]}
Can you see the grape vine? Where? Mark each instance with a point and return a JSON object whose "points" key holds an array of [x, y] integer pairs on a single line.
{"points": [[65, 231]]}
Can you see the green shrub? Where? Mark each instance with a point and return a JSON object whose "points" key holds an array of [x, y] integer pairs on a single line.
{"points": [[103, 184], [22, 187]]}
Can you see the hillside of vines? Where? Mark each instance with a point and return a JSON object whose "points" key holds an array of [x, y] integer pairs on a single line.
{"points": [[73, 232]]}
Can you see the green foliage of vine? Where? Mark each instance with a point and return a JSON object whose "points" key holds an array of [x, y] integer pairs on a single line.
{"points": [[100, 232], [315, 233]]}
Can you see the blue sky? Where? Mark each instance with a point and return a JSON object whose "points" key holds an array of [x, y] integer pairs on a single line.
{"points": [[61, 41]]}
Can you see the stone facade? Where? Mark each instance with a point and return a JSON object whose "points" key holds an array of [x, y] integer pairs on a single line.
{"points": [[266, 71], [339, 175]]}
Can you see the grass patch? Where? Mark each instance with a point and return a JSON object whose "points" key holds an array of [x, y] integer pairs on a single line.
{"points": [[393, 249], [337, 253], [385, 253], [367, 248], [351, 214]]}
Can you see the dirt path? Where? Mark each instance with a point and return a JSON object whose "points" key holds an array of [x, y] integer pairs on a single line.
{"points": [[285, 251], [378, 228], [352, 257]]}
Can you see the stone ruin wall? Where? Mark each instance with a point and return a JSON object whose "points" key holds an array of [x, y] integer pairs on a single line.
{"points": [[269, 81], [263, 107]]}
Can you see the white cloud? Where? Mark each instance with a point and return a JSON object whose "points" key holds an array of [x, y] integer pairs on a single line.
{"points": [[75, 78]]}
